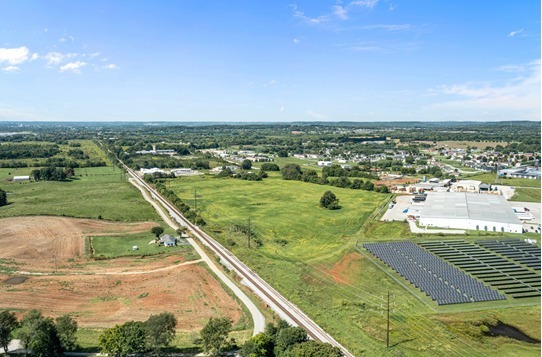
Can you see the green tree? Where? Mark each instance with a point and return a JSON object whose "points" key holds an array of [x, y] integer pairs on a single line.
{"points": [[67, 328], [3, 198], [291, 172], [268, 166], [314, 349], [383, 189], [157, 231], [329, 201], [288, 337], [260, 345], [246, 164], [8, 324], [45, 340], [39, 334], [160, 331], [125, 339], [214, 336]]}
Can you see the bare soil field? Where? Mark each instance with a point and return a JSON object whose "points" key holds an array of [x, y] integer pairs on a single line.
{"points": [[49, 252], [189, 292], [342, 270], [46, 242]]}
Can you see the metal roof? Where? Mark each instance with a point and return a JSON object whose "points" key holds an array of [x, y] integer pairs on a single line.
{"points": [[464, 205]]}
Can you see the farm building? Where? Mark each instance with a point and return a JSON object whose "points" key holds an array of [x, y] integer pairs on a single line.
{"points": [[168, 240], [471, 211], [21, 178]]}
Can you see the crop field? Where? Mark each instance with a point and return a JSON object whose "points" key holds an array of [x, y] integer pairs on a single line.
{"points": [[308, 255], [93, 192], [43, 265]]}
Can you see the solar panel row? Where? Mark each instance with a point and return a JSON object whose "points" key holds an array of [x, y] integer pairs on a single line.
{"points": [[437, 279], [497, 271], [515, 249]]}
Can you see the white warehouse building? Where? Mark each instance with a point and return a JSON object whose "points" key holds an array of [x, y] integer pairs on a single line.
{"points": [[473, 211]]}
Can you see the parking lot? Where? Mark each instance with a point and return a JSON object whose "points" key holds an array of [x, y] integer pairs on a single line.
{"points": [[396, 213]]}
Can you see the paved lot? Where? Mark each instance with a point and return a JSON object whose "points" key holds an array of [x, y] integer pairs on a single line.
{"points": [[535, 210], [396, 213]]}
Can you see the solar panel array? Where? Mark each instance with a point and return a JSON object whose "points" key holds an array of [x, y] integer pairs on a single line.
{"points": [[497, 271], [442, 282], [515, 249]]}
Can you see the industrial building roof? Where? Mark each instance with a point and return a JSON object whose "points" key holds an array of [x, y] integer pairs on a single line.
{"points": [[464, 205]]}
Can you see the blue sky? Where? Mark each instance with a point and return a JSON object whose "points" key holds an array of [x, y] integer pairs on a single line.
{"points": [[365, 60]]}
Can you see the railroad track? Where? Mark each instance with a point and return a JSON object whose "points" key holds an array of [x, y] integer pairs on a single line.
{"points": [[264, 290]]}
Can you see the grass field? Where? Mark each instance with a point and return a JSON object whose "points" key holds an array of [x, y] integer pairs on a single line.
{"points": [[308, 255], [489, 177], [94, 192], [523, 194], [121, 246], [87, 146]]}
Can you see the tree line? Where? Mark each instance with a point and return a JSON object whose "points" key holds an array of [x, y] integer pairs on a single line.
{"points": [[186, 210], [294, 172], [39, 335], [52, 174]]}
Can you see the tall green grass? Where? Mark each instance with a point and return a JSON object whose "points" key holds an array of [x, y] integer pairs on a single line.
{"points": [[94, 192]]}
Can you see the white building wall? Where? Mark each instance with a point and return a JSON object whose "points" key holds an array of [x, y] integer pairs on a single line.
{"points": [[471, 224]]}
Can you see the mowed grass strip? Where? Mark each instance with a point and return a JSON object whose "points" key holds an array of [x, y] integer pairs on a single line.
{"points": [[94, 192], [122, 246]]}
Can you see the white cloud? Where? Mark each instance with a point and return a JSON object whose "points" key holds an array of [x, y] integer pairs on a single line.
{"points": [[515, 33], [66, 38], [296, 40], [366, 3], [56, 58], [10, 69], [310, 20], [34, 57], [402, 27], [73, 66], [270, 83], [14, 55], [519, 96], [340, 12], [110, 66]]}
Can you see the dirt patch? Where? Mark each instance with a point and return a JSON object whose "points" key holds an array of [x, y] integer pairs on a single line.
{"points": [[102, 293], [189, 292], [15, 280], [343, 269], [48, 242]]}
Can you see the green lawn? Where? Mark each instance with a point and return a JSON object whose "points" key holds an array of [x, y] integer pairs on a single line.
{"points": [[308, 255], [121, 246], [522, 194], [100, 191]]}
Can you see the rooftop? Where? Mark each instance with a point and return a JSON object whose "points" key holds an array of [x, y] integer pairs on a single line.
{"points": [[464, 205]]}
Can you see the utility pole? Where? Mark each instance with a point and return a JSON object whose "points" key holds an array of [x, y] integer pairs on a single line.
{"points": [[249, 232], [388, 324], [195, 202]]}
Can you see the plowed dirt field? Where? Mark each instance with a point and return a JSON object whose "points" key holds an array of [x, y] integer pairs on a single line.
{"points": [[50, 253]]}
